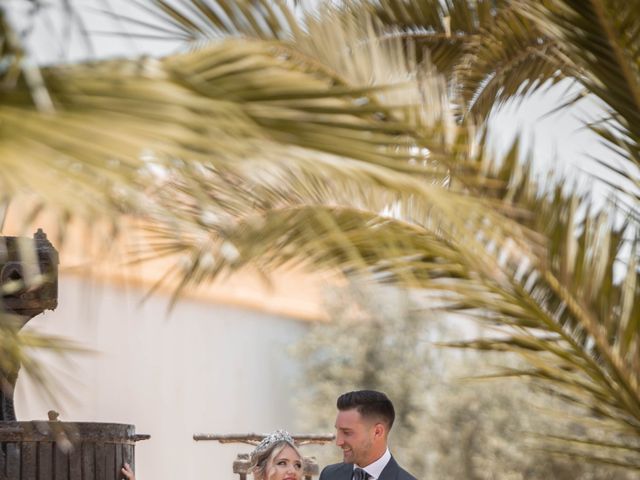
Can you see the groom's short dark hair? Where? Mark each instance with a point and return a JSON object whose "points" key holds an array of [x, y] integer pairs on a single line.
{"points": [[370, 404]]}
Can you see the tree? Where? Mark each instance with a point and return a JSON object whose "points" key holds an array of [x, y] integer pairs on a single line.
{"points": [[357, 155]]}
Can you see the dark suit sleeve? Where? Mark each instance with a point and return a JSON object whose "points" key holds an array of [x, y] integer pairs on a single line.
{"points": [[330, 472], [404, 475], [326, 473]]}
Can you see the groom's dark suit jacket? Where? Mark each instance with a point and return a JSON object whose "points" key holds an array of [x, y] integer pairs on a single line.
{"points": [[344, 471]]}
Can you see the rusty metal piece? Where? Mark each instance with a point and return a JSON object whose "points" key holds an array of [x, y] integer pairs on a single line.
{"points": [[28, 275], [28, 287], [50, 431]]}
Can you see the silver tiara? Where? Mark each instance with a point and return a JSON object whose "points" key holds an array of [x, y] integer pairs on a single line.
{"points": [[275, 437]]}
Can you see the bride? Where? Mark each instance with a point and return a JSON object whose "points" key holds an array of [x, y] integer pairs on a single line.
{"points": [[275, 458]]}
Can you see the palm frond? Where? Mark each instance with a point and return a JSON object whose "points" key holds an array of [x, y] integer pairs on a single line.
{"points": [[107, 115], [510, 58], [316, 237], [454, 17], [488, 50], [198, 21], [600, 43], [437, 31]]}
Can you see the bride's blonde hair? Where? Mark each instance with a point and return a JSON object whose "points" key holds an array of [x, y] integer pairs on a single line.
{"points": [[268, 448]]}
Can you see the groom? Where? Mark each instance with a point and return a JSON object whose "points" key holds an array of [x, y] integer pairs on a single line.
{"points": [[363, 423]]}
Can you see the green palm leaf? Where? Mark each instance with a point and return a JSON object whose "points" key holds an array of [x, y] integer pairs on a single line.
{"points": [[16, 349], [509, 59], [600, 43], [489, 51]]}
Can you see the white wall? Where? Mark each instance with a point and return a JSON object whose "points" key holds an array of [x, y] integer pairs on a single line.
{"points": [[201, 368]]}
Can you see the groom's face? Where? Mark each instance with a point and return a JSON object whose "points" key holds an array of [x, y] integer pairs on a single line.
{"points": [[354, 435]]}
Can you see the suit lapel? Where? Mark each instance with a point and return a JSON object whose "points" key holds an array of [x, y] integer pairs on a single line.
{"points": [[390, 472]]}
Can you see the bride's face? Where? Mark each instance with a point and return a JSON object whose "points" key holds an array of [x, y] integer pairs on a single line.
{"points": [[286, 465]]}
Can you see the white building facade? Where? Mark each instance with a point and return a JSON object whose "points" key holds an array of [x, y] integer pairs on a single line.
{"points": [[201, 367]]}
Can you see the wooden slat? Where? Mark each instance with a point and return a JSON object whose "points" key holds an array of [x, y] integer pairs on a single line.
{"points": [[119, 459], [60, 464], [45, 461], [110, 461], [13, 461], [29, 461], [75, 463], [3, 461], [101, 473], [88, 461], [128, 456]]}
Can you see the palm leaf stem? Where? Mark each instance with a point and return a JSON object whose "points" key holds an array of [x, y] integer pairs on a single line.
{"points": [[621, 60], [624, 378]]}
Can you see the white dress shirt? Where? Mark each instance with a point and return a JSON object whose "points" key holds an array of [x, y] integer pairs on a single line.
{"points": [[375, 469]]}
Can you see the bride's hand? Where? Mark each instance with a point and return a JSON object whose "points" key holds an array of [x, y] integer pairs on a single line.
{"points": [[127, 472]]}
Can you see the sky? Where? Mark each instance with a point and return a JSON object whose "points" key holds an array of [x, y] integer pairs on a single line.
{"points": [[558, 140]]}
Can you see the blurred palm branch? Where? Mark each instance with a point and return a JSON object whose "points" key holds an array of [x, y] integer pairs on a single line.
{"points": [[353, 137]]}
